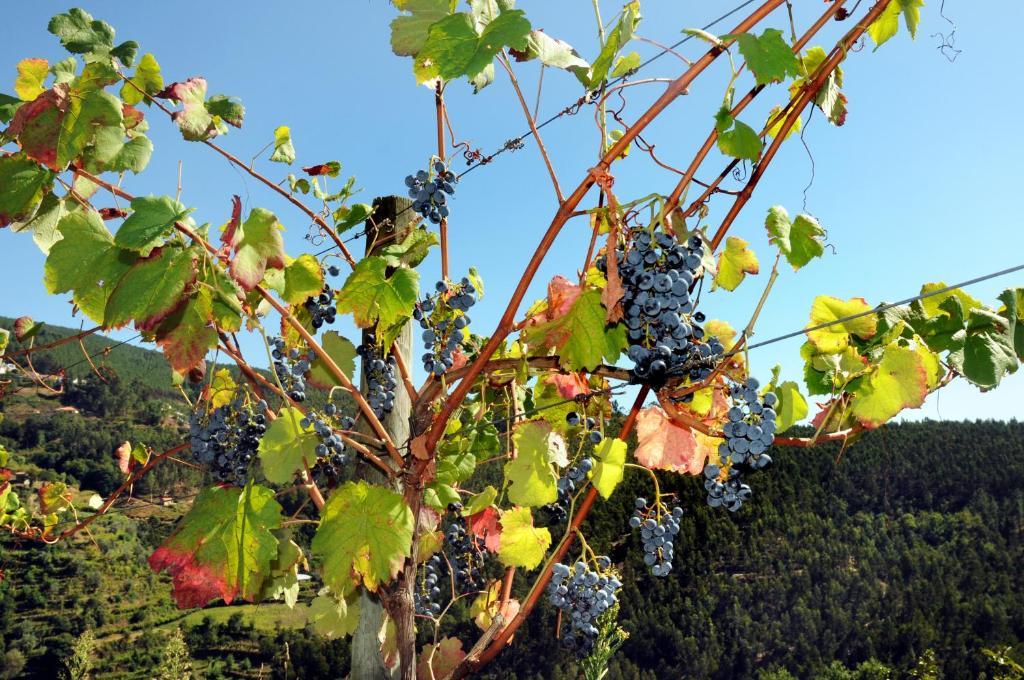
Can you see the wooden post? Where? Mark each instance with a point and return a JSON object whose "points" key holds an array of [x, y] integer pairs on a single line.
{"points": [[392, 220]]}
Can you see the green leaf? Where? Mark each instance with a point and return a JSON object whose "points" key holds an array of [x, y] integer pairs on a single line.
{"points": [[988, 353], [522, 545], [552, 52], [43, 224], [282, 583], [287, 447], [480, 501], [932, 305], [151, 221], [86, 115], [887, 25], [64, 71], [709, 38], [898, 382], [188, 333], [581, 337], [735, 138], [348, 216], [532, 478], [223, 547], [365, 534], [23, 182], [409, 32], [616, 39], [412, 250], [454, 49], [334, 617], [768, 56], [31, 74], [1013, 311], [836, 337], [8, 107], [625, 64], [734, 263], [258, 245], [799, 241], [373, 296], [147, 79], [303, 278], [133, 155], [200, 119], [829, 98], [86, 262], [79, 33], [610, 455], [791, 408], [284, 152], [151, 289], [227, 109], [342, 351], [125, 52]]}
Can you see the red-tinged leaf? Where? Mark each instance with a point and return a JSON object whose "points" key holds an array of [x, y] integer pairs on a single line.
{"points": [[664, 445], [54, 497], [569, 385], [37, 126], [440, 660], [459, 358], [258, 246], [132, 116], [223, 547], [331, 168], [562, 293], [228, 237], [112, 213], [613, 291], [486, 526], [25, 328], [123, 456], [188, 333], [488, 603]]}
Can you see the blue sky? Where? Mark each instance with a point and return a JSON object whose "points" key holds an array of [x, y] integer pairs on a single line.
{"points": [[914, 188]]}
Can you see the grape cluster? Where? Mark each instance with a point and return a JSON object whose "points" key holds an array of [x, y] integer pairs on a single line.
{"points": [[430, 196], [226, 439], [380, 377], [664, 331], [427, 598], [576, 474], [583, 594], [291, 367], [443, 316], [657, 533], [330, 452], [321, 307], [748, 434], [464, 554]]}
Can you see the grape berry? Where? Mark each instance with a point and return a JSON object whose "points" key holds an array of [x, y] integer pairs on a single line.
{"points": [[291, 367], [430, 195], [380, 378]]}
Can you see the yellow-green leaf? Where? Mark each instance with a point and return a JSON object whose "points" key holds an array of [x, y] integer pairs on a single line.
{"points": [[31, 74], [522, 544], [532, 478], [734, 263], [610, 455], [284, 151], [899, 381], [799, 241], [835, 337], [287, 446]]}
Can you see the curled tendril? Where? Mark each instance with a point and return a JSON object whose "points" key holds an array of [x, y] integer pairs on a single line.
{"points": [[739, 173]]}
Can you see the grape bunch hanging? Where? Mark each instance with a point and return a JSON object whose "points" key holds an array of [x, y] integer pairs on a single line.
{"points": [[443, 317], [430, 194], [583, 595], [658, 529], [321, 308], [664, 331], [291, 366], [381, 380], [225, 440], [330, 452], [462, 558], [575, 474], [748, 434]]}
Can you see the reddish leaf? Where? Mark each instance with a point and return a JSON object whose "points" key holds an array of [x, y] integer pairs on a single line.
{"points": [[112, 213], [123, 455], [459, 358], [562, 293], [37, 126], [228, 237], [485, 526], [569, 385], [331, 168], [664, 445], [132, 116], [24, 327], [438, 662]]}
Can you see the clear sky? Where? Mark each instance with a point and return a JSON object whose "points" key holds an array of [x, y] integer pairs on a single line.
{"points": [[918, 186]]}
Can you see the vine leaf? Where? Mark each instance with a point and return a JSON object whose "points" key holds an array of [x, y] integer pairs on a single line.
{"points": [[552, 52], [792, 406], [522, 544], [282, 582], [147, 79], [151, 221], [454, 48], [24, 183], [222, 388], [258, 246], [799, 241], [373, 296], [617, 38], [303, 278], [664, 445], [86, 262], [562, 294], [768, 56], [734, 263], [88, 112], [488, 603], [581, 337], [342, 351], [411, 251], [287, 446], [932, 305], [364, 535], [986, 353], [888, 24], [8, 107], [532, 479], [776, 118], [151, 288], [284, 151], [223, 547], [1013, 311], [829, 98], [437, 661], [31, 74], [836, 337], [610, 455], [736, 138], [898, 382], [187, 334], [200, 119], [79, 33], [486, 525], [348, 216], [334, 617], [409, 31]]}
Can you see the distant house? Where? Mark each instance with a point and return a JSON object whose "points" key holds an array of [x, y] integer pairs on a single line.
{"points": [[6, 368], [67, 409]]}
